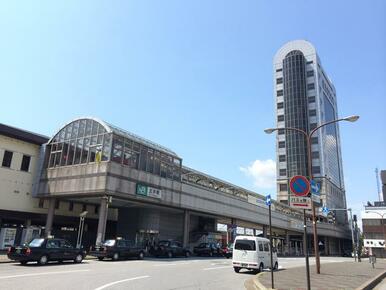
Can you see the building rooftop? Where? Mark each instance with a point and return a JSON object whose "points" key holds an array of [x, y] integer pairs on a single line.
{"points": [[22, 135]]}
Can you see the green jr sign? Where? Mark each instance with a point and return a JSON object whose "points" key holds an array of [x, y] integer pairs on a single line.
{"points": [[141, 189], [148, 191]]}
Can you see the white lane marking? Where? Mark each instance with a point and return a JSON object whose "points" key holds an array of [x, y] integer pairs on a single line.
{"points": [[215, 268], [44, 273], [172, 264], [121, 281]]}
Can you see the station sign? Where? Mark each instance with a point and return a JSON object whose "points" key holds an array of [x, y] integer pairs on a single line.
{"points": [[148, 191], [300, 202]]}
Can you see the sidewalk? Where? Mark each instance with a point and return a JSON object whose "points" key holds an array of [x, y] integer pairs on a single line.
{"points": [[343, 275]]}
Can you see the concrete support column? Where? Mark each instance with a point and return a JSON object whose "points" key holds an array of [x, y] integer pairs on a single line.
{"points": [[102, 220], [339, 247], [186, 228], [50, 217], [265, 231], [326, 246], [288, 244]]}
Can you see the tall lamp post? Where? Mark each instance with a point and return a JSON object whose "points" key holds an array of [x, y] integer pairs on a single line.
{"points": [[309, 157], [80, 229]]}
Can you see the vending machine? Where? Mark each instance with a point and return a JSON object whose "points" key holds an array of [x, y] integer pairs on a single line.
{"points": [[7, 238]]}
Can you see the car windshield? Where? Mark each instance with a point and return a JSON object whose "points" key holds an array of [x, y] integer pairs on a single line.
{"points": [[35, 243], [202, 245], [163, 243], [109, 243]]}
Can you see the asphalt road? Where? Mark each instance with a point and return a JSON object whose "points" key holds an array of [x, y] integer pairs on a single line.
{"points": [[182, 273]]}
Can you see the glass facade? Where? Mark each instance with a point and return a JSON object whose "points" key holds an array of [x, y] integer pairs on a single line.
{"points": [[331, 152], [296, 108], [86, 141]]}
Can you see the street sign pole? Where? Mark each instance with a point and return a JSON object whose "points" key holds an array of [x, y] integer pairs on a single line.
{"points": [[306, 250], [270, 241]]}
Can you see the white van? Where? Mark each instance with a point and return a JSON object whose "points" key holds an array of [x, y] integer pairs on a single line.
{"points": [[252, 253]]}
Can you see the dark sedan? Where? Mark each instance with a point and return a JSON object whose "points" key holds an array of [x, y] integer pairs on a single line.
{"points": [[170, 248], [44, 250], [116, 249], [207, 249]]}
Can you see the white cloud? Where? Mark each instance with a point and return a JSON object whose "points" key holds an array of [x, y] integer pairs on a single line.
{"points": [[263, 173]]}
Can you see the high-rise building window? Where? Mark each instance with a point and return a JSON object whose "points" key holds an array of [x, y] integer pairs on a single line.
{"points": [[314, 140], [312, 113], [281, 131], [311, 99], [280, 105], [315, 154], [280, 93], [281, 158], [7, 159], [280, 118], [279, 81], [283, 187], [313, 126], [310, 73], [315, 169], [282, 172], [309, 62], [25, 163], [279, 70], [282, 144], [311, 86]]}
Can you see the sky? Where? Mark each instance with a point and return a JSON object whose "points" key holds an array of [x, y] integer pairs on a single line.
{"points": [[195, 76]]}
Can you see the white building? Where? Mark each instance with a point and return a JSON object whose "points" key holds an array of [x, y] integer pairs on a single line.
{"points": [[374, 228], [23, 216], [306, 98]]}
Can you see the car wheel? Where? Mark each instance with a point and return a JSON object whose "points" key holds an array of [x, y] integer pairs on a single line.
{"points": [[237, 269], [187, 254], [78, 258], [276, 267], [170, 255], [116, 257], [23, 262], [261, 268], [227, 256], [140, 256], [100, 258], [43, 260]]}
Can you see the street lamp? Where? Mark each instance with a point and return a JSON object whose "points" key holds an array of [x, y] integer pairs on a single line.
{"points": [[80, 229], [308, 136]]}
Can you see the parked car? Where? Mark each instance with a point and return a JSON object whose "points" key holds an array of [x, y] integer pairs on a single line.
{"points": [[227, 250], [117, 249], [43, 250], [252, 253], [170, 248], [207, 249]]}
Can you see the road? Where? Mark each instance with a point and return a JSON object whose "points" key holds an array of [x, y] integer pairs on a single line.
{"points": [[182, 273]]}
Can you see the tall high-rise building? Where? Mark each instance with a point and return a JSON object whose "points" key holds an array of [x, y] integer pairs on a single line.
{"points": [[305, 98]]}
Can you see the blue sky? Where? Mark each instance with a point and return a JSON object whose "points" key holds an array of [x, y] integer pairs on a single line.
{"points": [[195, 76]]}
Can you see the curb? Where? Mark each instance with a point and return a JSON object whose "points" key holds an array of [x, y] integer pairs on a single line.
{"points": [[373, 282]]}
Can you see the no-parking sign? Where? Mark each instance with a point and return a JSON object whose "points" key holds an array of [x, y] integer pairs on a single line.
{"points": [[299, 185]]}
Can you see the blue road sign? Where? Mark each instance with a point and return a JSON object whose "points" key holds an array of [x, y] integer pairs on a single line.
{"points": [[300, 185], [268, 199], [325, 209], [315, 188]]}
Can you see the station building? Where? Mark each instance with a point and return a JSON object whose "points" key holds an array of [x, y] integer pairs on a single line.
{"points": [[137, 189]]}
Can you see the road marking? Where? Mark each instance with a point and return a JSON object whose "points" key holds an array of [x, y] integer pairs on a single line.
{"points": [[121, 281], [215, 268], [44, 273]]}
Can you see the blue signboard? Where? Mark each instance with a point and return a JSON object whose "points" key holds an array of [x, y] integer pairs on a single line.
{"points": [[315, 188], [268, 199]]}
